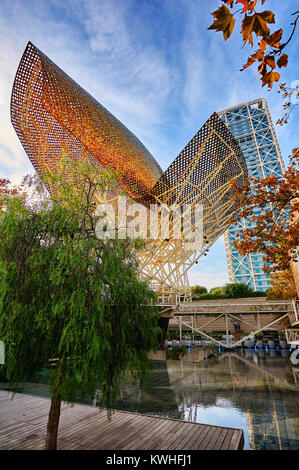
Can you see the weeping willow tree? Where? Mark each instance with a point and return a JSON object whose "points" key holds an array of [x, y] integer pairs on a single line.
{"points": [[69, 301]]}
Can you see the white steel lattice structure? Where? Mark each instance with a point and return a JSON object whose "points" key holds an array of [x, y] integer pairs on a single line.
{"points": [[252, 126], [200, 174], [56, 119]]}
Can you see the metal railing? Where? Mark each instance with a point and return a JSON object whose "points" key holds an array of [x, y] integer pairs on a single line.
{"points": [[235, 307], [294, 312], [292, 336]]}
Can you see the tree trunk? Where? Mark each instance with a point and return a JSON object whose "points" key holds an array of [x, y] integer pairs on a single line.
{"points": [[53, 422]]}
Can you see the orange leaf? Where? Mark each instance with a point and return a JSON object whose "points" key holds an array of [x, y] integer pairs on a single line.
{"points": [[249, 62], [263, 44], [267, 16], [274, 39], [262, 68], [259, 55], [258, 24], [230, 3], [282, 61], [247, 28], [247, 5], [269, 60], [270, 77], [224, 21]]}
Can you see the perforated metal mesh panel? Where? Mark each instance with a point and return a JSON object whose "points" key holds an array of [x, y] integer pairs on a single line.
{"points": [[201, 174], [53, 116], [56, 119]]}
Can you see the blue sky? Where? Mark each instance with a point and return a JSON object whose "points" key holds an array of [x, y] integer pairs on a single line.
{"points": [[152, 63]]}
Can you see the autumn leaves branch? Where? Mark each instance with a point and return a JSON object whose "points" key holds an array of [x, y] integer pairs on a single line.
{"points": [[270, 53]]}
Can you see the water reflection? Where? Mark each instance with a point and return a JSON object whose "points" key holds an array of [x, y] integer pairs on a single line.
{"points": [[157, 397], [253, 390]]}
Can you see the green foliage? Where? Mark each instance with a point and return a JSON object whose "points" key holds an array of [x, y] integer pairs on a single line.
{"points": [[212, 296], [176, 353], [68, 296], [210, 347], [216, 291], [230, 291], [174, 334], [237, 289], [197, 336], [198, 290]]}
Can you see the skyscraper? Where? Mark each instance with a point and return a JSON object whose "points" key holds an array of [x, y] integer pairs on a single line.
{"points": [[252, 126]]}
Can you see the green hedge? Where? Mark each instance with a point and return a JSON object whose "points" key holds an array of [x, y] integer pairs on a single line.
{"points": [[176, 353], [225, 296], [234, 290]]}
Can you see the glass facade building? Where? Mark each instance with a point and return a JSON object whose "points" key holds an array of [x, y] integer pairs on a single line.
{"points": [[252, 126]]}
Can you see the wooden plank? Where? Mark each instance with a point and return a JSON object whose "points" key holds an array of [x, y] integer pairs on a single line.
{"points": [[200, 431], [206, 438], [121, 428], [156, 441], [117, 439], [220, 440], [227, 439], [90, 429], [183, 437], [23, 426], [161, 435], [211, 443], [237, 441], [141, 441], [171, 442]]}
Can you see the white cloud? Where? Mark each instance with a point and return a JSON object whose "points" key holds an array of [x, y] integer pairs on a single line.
{"points": [[130, 73], [94, 44], [209, 278], [161, 80]]}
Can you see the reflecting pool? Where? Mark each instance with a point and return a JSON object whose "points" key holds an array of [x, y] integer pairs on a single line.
{"points": [[249, 389], [253, 390]]}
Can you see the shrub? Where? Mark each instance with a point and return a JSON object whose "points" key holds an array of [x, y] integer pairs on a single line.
{"points": [[176, 353], [198, 290]]}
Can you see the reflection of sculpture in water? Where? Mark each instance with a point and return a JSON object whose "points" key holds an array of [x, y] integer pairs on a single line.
{"points": [[156, 397], [295, 357], [263, 391]]}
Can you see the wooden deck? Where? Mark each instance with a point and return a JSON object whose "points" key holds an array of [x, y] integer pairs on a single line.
{"points": [[83, 427]]}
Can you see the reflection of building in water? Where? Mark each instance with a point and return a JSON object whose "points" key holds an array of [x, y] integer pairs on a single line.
{"points": [[295, 371], [227, 390], [233, 370], [276, 427], [263, 389]]}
